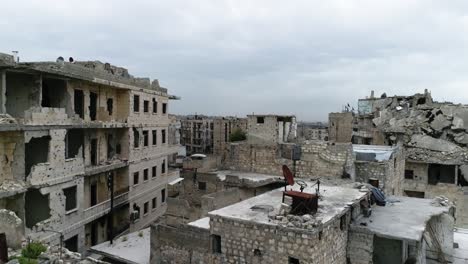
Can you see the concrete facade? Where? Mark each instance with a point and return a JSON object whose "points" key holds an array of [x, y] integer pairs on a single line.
{"points": [[68, 131]]}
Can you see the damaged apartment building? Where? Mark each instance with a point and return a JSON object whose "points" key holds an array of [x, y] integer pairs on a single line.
{"points": [[84, 150], [208, 135], [433, 135]]}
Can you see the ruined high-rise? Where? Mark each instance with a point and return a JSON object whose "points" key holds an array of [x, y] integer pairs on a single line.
{"points": [[70, 134]]}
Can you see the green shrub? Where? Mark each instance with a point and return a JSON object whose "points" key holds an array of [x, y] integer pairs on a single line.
{"points": [[237, 135], [33, 250]]}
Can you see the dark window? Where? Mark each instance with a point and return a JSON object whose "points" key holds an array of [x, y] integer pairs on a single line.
{"points": [[163, 195], [163, 136], [409, 174], [441, 173], [72, 243], [153, 203], [145, 138], [136, 138], [414, 194], [136, 103], [260, 119], [136, 212], [74, 142], [292, 260], [145, 174], [154, 169], [93, 105], [70, 198], [202, 186], [216, 244], [93, 194], [155, 106], [155, 137], [110, 105], [37, 151], [79, 103], [164, 108], [136, 178], [163, 167], [94, 150], [145, 106], [145, 208]]}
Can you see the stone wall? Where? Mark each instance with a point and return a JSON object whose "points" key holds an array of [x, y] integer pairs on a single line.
{"points": [[185, 244], [13, 227], [219, 200], [250, 242], [360, 246], [325, 159]]}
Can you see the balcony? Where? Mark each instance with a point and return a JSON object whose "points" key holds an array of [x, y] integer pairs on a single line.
{"points": [[98, 210]]}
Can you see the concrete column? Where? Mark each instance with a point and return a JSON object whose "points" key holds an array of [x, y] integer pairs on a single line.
{"points": [[3, 92]]}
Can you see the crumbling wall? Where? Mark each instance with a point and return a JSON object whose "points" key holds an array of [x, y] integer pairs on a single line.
{"points": [[185, 244], [13, 227], [250, 242], [340, 127], [324, 159], [11, 151], [23, 92]]}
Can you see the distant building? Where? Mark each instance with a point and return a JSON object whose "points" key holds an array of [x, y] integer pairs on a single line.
{"points": [[312, 131]]}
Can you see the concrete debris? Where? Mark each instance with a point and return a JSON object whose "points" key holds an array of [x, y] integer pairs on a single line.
{"points": [[441, 201], [7, 119], [306, 221], [52, 256]]}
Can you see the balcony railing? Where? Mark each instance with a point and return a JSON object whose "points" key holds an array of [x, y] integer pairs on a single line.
{"points": [[100, 209]]}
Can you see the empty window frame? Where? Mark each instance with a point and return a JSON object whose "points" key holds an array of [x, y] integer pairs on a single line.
{"points": [[441, 173], [292, 260], [155, 106], [146, 106], [154, 171], [145, 174], [202, 186], [145, 208], [260, 119], [163, 136], [154, 137], [136, 103], [136, 138], [145, 138], [163, 167], [136, 178], [110, 105], [409, 174], [78, 99], [216, 244], [154, 203], [164, 108], [70, 198], [163, 195]]}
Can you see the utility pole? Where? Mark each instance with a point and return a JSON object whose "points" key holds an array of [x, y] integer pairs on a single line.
{"points": [[110, 187]]}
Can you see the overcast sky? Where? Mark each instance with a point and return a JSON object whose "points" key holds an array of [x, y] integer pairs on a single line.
{"points": [[236, 57]]}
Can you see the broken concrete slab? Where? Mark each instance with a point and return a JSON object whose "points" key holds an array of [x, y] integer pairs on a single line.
{"points": [[430, 143], [440, 122]]}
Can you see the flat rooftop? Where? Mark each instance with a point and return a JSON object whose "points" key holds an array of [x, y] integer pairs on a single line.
{"points": [[402, 218], [335, 201], [133, 248], [460, 254], [201, 223]]}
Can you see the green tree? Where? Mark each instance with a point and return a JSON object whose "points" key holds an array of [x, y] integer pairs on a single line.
{"points": [[237, 135]]}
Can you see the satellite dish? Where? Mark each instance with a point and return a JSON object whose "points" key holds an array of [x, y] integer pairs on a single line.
{"points": [[71, 59], [60, 59], [288, 176]]}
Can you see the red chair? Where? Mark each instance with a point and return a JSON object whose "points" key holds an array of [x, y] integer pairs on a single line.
{"points": [[302, 203]]}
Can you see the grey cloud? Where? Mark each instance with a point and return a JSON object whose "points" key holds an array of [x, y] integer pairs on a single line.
{"points": [[237, 57]]}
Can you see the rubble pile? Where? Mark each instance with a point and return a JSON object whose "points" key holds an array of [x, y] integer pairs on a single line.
{"points": [[430, 130], [52, 256], [441, 201], [284, 219]]}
